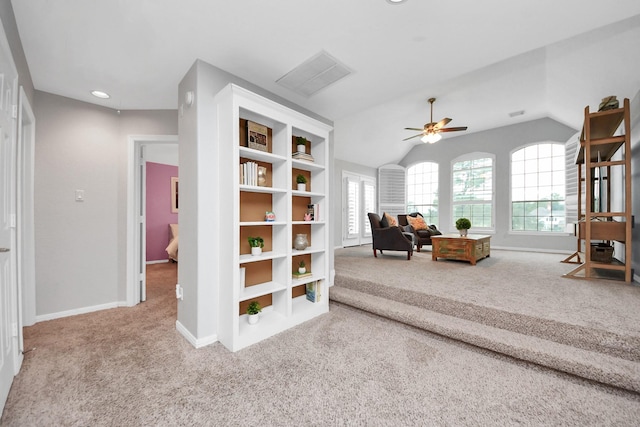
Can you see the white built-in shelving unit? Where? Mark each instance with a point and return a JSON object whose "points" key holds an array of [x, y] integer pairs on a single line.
{"points": [[268, 277]]}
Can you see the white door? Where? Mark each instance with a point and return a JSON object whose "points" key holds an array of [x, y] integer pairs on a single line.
{"points": [[359, 194], [9, 335]]}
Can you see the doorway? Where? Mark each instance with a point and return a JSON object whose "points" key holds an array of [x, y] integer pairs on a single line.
{"points": [[140, 147], [358, 198]]}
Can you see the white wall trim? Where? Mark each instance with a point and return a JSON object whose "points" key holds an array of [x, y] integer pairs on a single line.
{"points": [[538, 250], [26, 271], [76, 311], [133, 293], [196, 342], [159, 261]]}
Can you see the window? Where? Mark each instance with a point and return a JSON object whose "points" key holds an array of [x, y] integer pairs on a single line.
{"points": [[353, 207], [538, 188], [422, 190], [359, 198], [472, 186], [369, 196]]}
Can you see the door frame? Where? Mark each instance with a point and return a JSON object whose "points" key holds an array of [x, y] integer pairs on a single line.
{"points": [[136, 223], [363, 237], [26, 268]]}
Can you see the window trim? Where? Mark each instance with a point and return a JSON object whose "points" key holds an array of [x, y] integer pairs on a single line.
{"points": [[533, 232], [438, 190], [473, 156]]}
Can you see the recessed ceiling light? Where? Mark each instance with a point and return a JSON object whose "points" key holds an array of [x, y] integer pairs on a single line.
{"points": [[396, 1], [100, 94]]}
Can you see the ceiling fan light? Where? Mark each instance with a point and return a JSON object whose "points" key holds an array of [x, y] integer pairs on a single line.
{"points": [[431, 138]]}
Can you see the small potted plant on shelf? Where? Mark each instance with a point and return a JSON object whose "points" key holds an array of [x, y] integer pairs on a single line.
{"points": [[253, 312], [302, 268], [301, 144], [302, 182], [463, 224], [256, 243]]}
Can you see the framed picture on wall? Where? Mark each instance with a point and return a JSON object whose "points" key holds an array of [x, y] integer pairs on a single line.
{"points": [[174, 194]]}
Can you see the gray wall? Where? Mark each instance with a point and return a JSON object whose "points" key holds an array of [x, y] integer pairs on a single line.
{"points": [[499, 142], [197, 269], [80, 246], [11, 30]]}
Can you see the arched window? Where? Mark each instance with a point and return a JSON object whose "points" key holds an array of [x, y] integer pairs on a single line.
{"points": [[538, 188], [473, 188], [422, 190]]}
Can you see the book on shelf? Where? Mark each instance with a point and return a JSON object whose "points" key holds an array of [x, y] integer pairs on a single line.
{"points": [[249, 173], [313, 211], [298, 275], [257, 136], [313, 291], [302, 156]]}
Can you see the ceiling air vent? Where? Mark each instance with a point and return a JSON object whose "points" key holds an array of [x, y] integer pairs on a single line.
{"points": [[314, 74]]}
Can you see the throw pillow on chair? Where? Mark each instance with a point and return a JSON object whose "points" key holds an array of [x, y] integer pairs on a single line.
{"points": [[417, 223]]}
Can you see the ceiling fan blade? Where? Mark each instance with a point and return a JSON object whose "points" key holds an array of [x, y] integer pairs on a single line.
{"points": [[441, 123], [418, 129], [414, 136], [455, 129]]}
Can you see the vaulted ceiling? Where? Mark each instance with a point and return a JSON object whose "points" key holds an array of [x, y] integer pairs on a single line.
{"points": [[482, 60]]}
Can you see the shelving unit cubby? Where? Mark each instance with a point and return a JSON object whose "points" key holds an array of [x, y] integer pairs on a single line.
{"points": [[605, 149], [268, 278]]}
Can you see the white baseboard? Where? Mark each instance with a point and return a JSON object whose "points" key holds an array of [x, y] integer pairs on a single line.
{"points": [[544, 251], [196, 342], [76, 311], [158, 261]]}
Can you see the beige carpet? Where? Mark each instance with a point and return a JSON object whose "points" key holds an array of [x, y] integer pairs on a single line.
{"points": [[129, 367], [514, 303]]}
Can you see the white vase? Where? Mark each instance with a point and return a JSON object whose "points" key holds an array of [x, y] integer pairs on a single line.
{"points": [[253, 318], [302, 187], [302, 270], [255, 251], [302, 148]]}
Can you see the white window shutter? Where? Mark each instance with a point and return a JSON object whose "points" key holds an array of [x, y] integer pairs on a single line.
{"points": [[571, 178], [392, 189]]}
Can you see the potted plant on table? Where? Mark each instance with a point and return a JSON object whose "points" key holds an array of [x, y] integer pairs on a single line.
{"points": [[302, 182], [256, 244], [253, 312], [463, 225]]}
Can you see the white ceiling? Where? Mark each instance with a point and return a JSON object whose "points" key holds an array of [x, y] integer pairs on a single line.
{"points": [[481, 59]]}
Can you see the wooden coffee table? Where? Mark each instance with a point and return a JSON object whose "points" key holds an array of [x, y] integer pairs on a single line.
{"points": [[471, 248]]}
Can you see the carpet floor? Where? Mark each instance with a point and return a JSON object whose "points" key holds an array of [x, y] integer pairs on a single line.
{"points": [[515, 303], [129, 366]]}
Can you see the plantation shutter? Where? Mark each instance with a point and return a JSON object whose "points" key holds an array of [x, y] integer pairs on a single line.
{"points": [[352, 192], [392, 189], [571, 178], [369, 200]]}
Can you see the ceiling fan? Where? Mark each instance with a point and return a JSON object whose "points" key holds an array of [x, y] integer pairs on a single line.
{"points": [[431, 131]]}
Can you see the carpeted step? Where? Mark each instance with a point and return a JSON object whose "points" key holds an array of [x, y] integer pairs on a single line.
{"points": [[593, 365], [586, 338]]}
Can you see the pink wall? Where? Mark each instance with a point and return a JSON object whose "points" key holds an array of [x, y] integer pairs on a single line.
{"points": [[159, 214]]}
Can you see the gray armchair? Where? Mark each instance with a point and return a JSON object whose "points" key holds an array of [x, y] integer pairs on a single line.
{"points": [[389, 238], [421, 237]]}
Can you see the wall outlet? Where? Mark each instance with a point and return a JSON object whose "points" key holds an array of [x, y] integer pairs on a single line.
{"points": [[179, 291]]}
